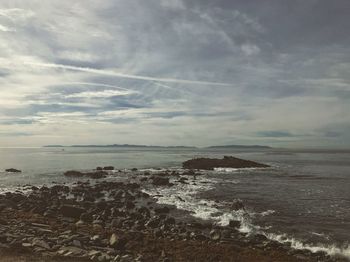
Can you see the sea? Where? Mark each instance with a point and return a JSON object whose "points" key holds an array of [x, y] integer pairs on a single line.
{"points": [[302, 200]]}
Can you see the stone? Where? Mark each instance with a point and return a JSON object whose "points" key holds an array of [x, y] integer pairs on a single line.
{"points": [[77, 243], [160, 181], [234, 224], [40, 243], [71, 211], [215, 235], [162, 210], [237, 204], [117, 242]]}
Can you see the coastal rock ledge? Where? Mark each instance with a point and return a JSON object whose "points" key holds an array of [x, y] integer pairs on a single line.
{"points": [[227, 161]]}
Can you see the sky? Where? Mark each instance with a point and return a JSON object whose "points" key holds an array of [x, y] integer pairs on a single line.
{"points": [[175, 72]]}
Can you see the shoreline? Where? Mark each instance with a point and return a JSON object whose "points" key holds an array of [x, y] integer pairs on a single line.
{"points": [[117, 221]]}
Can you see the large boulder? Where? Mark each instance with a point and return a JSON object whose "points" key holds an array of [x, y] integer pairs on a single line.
{"points": [[227, 161]]}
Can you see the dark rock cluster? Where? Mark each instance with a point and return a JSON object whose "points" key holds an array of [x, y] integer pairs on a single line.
{"points": [[13, 170], [227, 161]]}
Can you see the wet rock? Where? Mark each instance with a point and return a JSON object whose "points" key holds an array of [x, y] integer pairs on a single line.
{"points": [[108, 168], [99, 168], [237, 204], [215, 234], [94, 175], [169, 221], [183, 180], [162, 210], [73, 173], [160, 181], [227, 161], [40, 243], [134, 169], [77, 243], [13, 170], [153, 222], [80, 223], [117, 242], [129, 205], [71, 211], [234, 224], [86, 217]]}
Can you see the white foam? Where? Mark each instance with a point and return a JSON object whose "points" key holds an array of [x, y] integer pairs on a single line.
{"points": [[297, 244], [233, 170], [267, 212]]}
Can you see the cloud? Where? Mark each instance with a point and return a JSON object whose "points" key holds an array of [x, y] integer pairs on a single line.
{"points": [[100, 94], [123, 75], [250, 49], [175, 72], [275, 133], [6, 29]]}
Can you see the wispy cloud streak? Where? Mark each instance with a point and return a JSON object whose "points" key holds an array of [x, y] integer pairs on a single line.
{"points": [[123, 75]]}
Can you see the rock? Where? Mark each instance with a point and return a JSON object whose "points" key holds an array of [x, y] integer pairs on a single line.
{"points": [[237, 204], [234, 224], [13, 170], [169, 221], [108, 168], [183, 180], [94, 175], [71, 251], [73, 173], [117, 242], [162, 210], [80, 223], [71, 211], [86, 217], [40, 243], [160, 181], [134, 169], [153, 222], [77, 243], [99, 168], [215, 235], [227, 161], [129, 205]]}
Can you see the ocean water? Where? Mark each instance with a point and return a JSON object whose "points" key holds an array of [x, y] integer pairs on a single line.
{"points": [[303, 199]]}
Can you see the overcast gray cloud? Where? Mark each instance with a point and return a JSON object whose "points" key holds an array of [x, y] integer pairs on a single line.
{"points": [[171, 72]]}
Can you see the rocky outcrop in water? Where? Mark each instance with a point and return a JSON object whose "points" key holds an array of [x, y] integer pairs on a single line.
{"points": [[226, 162], [13, 170]]}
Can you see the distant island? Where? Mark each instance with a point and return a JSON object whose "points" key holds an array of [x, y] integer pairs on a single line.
{"points": [[184, 147], [242, 146]]}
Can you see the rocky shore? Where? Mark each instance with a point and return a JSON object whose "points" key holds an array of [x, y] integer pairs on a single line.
{"points": [[110, 220]]}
